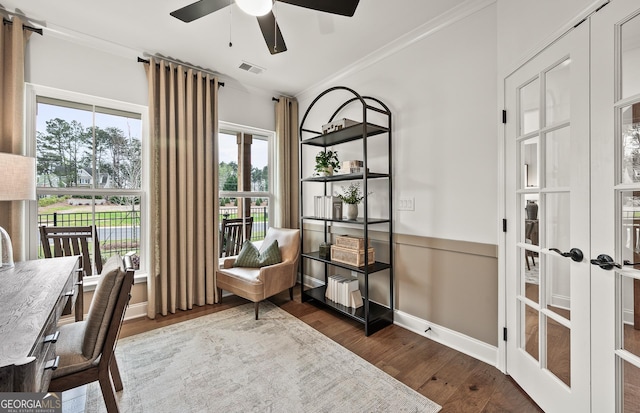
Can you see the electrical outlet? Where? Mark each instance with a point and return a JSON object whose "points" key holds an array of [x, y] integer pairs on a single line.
{"points": [[406, 204]]}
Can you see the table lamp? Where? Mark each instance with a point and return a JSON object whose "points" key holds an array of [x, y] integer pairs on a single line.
{"points": [[17, 182]]}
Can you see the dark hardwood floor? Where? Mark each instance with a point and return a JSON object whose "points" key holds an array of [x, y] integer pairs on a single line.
{"points": [[459, 383]]}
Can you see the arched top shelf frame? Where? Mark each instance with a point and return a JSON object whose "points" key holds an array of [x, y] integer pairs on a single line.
{"points": [[367, 128]]}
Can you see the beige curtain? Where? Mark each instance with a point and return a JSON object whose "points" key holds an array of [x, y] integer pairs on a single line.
{"points": [[13, 39], [183, 118], [286, 163]]}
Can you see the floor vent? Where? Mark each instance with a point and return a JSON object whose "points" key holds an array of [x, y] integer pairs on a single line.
{"points": [[251, 68]]}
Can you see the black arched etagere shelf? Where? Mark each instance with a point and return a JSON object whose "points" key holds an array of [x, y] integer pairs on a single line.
{"points": [[373, 314]]}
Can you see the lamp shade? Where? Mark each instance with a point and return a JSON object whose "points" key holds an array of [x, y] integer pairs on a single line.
{"points": [[255, 7], [17, 177]]}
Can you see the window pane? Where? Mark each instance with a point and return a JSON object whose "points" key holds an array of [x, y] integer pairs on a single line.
{"points": [[118, 151], [228, 158], [260, 164], [63, 147], [65, 138]]}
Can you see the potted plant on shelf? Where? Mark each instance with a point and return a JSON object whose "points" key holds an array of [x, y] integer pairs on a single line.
{"points": [[351, 196], [326, 163]]}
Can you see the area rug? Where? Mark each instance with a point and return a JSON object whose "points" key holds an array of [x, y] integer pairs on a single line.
{"points": [[229, 362]]}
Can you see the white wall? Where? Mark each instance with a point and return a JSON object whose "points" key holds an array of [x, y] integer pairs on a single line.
{"points": [[108, 71], [525, 26], [442, 93]]}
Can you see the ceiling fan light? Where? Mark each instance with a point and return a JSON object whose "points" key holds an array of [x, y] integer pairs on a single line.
{"points": [[255, 7]]}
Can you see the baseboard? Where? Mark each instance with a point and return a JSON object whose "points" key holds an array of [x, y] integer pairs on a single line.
{"points": [[460, 342], [136, 311]]}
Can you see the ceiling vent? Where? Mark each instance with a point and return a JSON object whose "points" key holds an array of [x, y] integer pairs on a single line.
{"points": [[249, 67]]}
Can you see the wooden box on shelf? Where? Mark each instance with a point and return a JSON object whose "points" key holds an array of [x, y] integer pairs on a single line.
{"points": [[350, 256], [354, 243]]}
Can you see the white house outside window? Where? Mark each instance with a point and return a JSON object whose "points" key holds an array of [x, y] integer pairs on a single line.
{"points": [[90, 168]]}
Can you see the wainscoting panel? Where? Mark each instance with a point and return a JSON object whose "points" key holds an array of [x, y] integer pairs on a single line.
{"points": [[453, 284]]}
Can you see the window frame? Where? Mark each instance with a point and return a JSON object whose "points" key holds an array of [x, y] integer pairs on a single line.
{"points": [[234, 128], [32, 92]]}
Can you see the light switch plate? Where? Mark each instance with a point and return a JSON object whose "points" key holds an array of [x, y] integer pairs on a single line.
{"points": [[406, 204]]}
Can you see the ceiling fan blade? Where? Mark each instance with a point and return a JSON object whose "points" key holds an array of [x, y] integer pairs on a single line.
{"points": [[271, 32], [341, 7], [198, 9]]}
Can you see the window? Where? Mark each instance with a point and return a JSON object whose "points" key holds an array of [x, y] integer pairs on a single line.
{"points": [[244, 176], [89, 165]]}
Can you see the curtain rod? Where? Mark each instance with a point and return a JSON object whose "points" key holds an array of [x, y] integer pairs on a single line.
{"points": [[221, 84], [278, 100], [24, 26]]}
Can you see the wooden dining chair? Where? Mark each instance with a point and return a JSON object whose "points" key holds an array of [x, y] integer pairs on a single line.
{"points": [[231, 235], [86, 349], [70, 241]]}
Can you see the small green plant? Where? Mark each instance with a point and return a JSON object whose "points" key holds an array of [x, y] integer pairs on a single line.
{"points": [[327, 160], [351, 194]]}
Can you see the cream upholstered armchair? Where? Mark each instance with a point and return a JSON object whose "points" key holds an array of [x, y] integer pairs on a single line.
{"points": [[258, 283]]}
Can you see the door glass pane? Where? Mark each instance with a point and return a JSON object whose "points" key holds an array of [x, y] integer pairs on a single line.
{"points": [[630, 139], [531, 330], [631, 326], [557, 220], [557, 93], [558, 285], [557, 146], [531, 279], [559, 350], [530, 107], [631, 389], [530, 236], [630, 57], [630, 233], [530, 162]]}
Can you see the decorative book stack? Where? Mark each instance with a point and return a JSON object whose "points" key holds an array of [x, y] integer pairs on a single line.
{"points": [[344, 290], [350, 250], [329, 207]]}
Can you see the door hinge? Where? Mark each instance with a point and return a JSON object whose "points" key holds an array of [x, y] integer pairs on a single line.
{"points": [[504, 116], [504, 334], [504, 225]]}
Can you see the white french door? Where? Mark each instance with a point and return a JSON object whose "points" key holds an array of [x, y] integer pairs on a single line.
{"points": [[547, 203], [573, 150], [615, 203]]}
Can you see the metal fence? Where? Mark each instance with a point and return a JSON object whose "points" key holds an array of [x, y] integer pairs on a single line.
{"points": [[119, 231]]}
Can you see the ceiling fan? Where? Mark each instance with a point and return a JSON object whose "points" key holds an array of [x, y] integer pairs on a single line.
{"points": [[262, 10]]}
